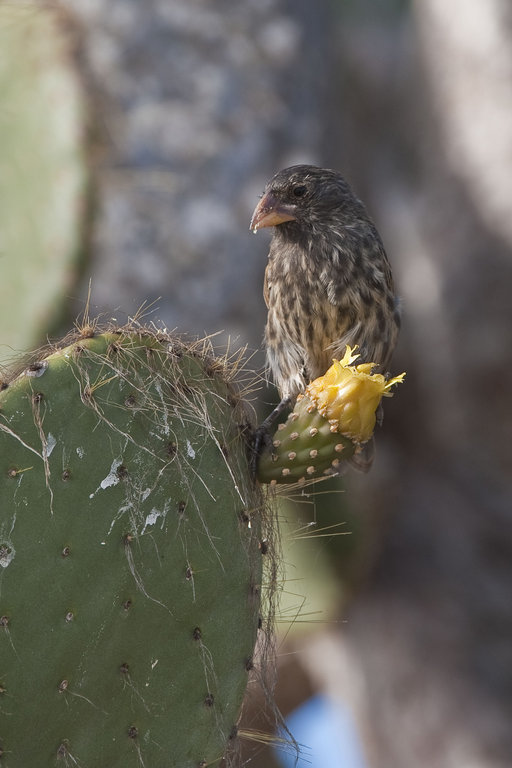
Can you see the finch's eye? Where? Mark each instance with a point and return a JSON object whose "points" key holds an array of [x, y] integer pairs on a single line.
{"points": [[299, 190]]}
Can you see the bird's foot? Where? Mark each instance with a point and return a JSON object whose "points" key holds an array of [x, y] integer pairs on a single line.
{"points": [[261, 438], [260, 442]]}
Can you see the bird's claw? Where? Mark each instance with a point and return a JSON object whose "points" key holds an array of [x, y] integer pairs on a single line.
{"points": [[262, 438], [260, 442]]}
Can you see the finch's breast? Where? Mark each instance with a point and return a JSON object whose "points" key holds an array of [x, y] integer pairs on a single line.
{"points": [[317, 306]]}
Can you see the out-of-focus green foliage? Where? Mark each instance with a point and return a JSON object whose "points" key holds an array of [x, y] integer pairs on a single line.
{"points": [[42, 172]]}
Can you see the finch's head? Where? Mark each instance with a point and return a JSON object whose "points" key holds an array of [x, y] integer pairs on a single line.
{"points": [[306, 197]]}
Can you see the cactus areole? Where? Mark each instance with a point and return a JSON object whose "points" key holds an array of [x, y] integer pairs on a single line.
{"points": [[130, 571]]}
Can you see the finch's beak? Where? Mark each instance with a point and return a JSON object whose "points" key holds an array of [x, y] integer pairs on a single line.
{"points": [[270, 212]]}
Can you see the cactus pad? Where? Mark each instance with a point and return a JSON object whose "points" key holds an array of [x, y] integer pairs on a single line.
{"points": [[129, 563], [305, 446], [330, 422], [43, 170]]}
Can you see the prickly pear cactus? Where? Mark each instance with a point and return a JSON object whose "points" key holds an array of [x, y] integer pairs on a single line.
{"points": [[43, 170], [305, 446], [130, 565], [330, 423]]}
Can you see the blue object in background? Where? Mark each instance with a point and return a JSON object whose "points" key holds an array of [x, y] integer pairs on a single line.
{"points": [[326, 734]]}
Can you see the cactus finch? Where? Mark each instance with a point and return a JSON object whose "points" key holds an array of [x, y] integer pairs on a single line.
{"points": [[328, 282]]}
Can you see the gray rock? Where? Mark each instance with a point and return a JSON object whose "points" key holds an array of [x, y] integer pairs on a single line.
{"points": [[196, 104]]}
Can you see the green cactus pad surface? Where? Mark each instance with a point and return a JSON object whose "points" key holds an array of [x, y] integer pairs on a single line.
{"points": [[130, 570], [304, 447]]}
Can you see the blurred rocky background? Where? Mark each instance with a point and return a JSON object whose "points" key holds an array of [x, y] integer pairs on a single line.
{"points": [[183, 111], [194, 105]]}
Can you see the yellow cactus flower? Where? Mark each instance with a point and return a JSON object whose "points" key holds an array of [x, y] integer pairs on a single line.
{"points": [[348, 396]]}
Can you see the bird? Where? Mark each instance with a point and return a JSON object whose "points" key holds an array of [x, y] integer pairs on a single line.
{"points": [[328, 283]]}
